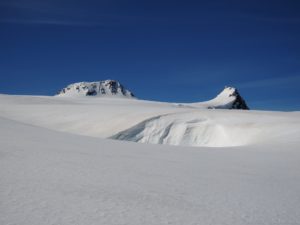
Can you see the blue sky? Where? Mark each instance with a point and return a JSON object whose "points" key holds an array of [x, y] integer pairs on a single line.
{"points": [[178, 51]]}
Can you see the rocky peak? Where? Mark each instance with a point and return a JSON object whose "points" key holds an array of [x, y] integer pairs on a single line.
{"points": [[97, 88], [231, 98]]}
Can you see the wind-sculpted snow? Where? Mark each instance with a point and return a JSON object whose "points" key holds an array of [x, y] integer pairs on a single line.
{"points": [[200, 129], [186, 131]]}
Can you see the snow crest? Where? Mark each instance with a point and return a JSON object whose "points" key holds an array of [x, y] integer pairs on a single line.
{"points": [[194, 129]]}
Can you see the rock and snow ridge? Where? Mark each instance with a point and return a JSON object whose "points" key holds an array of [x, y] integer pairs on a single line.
{"points": [[229, 98], [97, 88]]}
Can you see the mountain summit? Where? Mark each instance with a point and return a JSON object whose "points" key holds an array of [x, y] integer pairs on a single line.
{"points": [[229, 98], [98, 88]]}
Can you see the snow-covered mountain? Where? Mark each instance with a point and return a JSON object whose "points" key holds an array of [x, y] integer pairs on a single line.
{"points": [[97, 88], [229, 98]]}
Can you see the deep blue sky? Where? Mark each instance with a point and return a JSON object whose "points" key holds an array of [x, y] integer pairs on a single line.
{"points": [[180, 51]]}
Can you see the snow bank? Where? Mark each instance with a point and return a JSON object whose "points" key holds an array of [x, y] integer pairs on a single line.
{"points": [[201, 129]]}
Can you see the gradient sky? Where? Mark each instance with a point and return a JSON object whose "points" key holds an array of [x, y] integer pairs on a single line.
{"points": [[178, 51]]}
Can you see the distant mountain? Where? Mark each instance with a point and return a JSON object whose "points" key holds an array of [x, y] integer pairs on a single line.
{"points": [[230, 98], [98, 88]]}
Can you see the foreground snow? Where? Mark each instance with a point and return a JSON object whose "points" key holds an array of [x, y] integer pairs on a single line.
{"points": [[49, 177], [51, 174]]}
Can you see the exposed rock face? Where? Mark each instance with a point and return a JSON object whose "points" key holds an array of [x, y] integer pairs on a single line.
{"points": [[239, 102], [98, 88]]}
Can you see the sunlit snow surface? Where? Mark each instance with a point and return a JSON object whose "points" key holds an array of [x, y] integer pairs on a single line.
{"points": [[152, 122], [56, 168]]}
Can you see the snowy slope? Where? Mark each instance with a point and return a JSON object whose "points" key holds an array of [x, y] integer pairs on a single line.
{"points": [[49, 177], [98, 88], [151, 122]]}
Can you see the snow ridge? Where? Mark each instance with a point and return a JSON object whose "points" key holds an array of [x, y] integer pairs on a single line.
{"points": [[229, 98], [188, 129]]}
